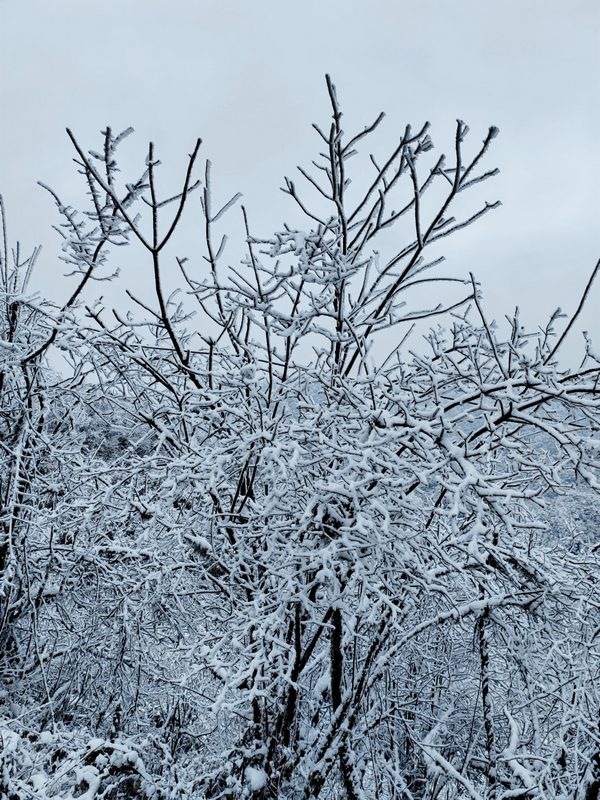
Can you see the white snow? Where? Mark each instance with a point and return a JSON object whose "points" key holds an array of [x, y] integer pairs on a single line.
{"points": [[256, 778]]}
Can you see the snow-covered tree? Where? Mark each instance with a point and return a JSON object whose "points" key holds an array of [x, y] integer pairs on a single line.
{"points": [[300, 550]]}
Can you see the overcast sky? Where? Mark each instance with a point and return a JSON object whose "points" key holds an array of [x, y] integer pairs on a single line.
{"points": [[248, 77]]}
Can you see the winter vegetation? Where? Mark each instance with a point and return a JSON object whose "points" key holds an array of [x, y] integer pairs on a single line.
{"points": [[308, 525]]}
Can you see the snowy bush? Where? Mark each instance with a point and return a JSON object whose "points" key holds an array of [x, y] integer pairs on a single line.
{"points": [[258, 541]]}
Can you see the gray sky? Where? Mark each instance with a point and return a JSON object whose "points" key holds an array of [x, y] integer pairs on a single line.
{"points": [[249, 78]]}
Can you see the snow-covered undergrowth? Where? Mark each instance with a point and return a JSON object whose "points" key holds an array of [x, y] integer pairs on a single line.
{"points": [[68, 764]]}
